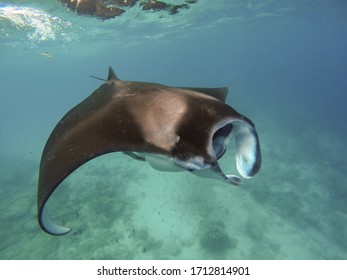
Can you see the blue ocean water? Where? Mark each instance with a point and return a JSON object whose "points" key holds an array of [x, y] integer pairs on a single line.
{"points": [[285, 64]]}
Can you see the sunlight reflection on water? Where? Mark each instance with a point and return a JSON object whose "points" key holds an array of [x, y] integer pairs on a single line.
{"points": [[39, 25]]}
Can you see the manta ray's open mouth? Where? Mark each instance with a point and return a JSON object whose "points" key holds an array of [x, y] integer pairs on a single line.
{"points": [[221, 139]]}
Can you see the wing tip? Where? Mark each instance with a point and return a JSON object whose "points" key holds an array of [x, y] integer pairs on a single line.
{"points": [[48, 226]]}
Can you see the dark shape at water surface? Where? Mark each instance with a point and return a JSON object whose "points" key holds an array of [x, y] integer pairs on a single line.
{"points": [[159, 6], [94, 8], [107, 9], [171, 128]]}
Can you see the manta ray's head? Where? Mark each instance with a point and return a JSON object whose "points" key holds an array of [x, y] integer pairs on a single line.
{"points": [[248, 154]]}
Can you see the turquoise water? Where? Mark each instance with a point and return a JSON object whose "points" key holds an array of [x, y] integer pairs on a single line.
{"points": [[285, 64]]}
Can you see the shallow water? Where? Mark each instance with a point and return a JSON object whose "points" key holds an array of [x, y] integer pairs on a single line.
{"points": [[285, 65]]}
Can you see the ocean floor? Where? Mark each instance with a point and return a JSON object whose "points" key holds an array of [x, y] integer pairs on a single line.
{"points": [[120, 208]]}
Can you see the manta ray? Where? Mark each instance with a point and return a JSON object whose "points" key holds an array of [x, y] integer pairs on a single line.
{"points": [[171, 128]]}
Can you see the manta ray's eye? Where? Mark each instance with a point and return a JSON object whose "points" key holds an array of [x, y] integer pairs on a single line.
{"points": [[220, 140]]}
